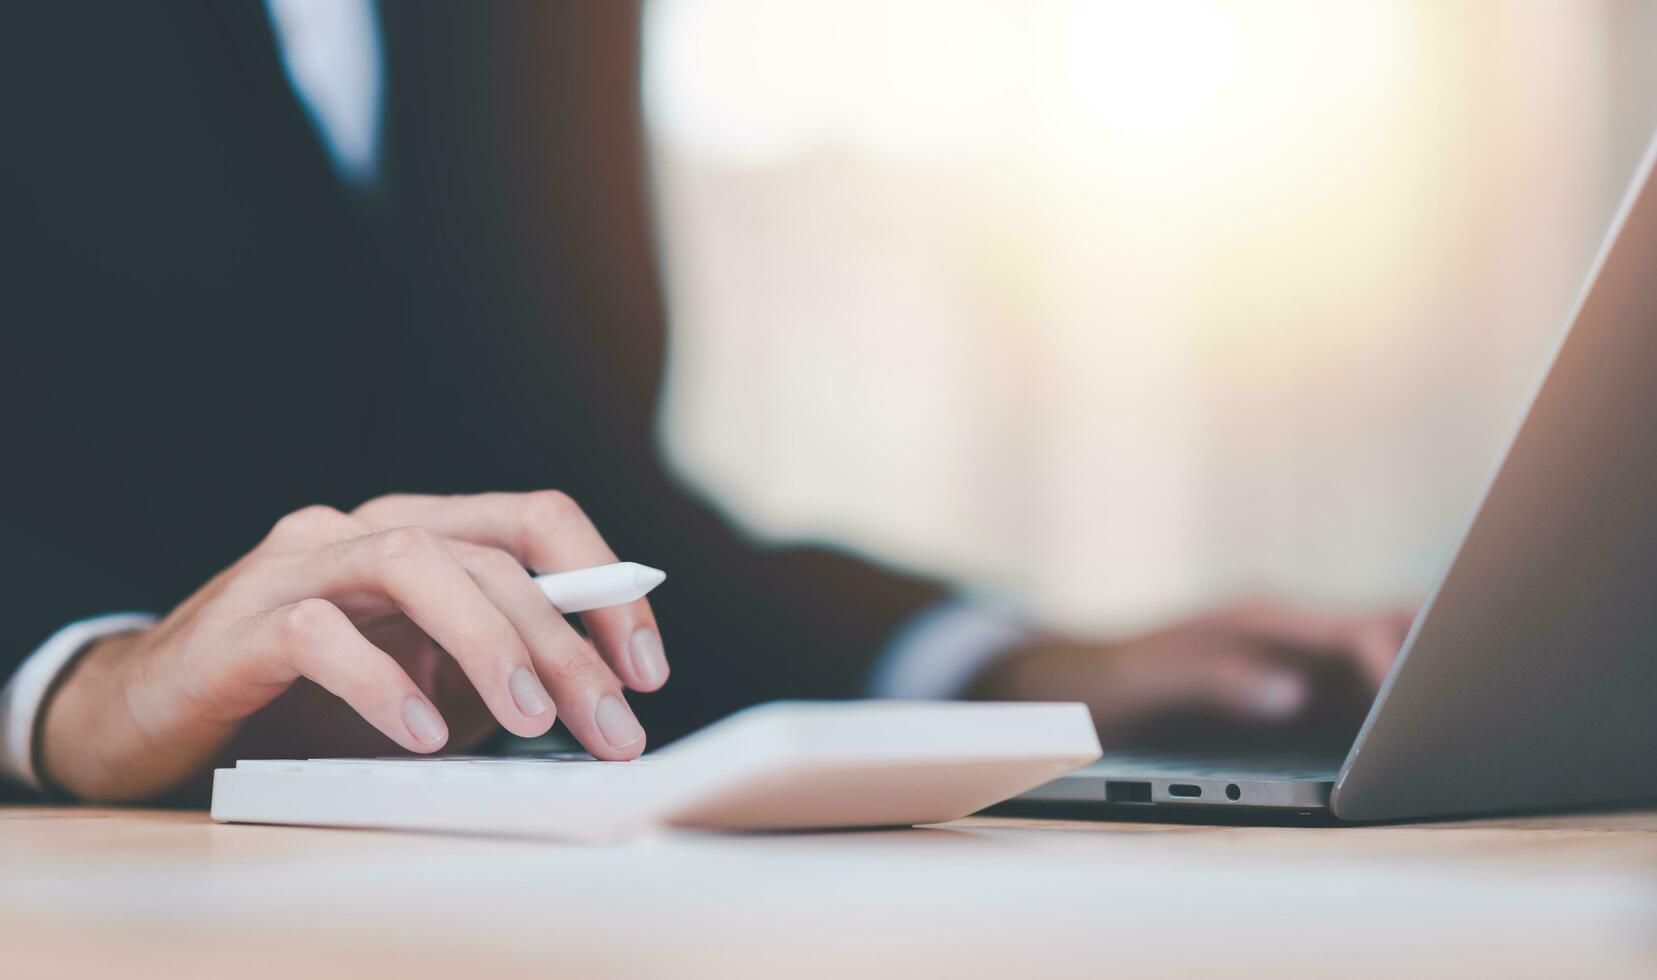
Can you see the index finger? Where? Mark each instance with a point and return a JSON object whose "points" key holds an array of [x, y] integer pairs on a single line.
{"points": [[548, 532]]}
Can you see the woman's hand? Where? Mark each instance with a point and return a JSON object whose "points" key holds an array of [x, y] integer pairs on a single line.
{"points": [[416, 612], [1253, 671]]}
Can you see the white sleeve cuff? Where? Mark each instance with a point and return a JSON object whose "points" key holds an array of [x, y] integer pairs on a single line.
{"points": [[939, 652], [22, 697]]}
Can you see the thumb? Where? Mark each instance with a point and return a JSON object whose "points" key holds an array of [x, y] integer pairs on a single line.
{"points": [[1268, 694], [1231, 685]]}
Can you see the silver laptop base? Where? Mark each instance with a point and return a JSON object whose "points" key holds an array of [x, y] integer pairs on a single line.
{"points": [[1300, 784]]}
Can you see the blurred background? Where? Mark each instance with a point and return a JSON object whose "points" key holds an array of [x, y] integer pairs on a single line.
{"points": [[1121, 309]]}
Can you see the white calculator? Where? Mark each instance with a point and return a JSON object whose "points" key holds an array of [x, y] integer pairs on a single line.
{"points": [[780, 766]]}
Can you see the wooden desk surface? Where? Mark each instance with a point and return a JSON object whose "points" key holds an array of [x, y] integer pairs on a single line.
{"points": [[98, 892]]}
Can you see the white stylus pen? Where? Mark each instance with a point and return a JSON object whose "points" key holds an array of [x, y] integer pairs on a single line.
{"points": [[604, 585]]}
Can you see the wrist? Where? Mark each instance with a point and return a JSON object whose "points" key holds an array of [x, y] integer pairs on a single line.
{"points": [[1036, 671], [91, 743], [74, 732]]}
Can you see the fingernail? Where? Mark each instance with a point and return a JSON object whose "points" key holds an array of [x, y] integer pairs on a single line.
{"points": [[616, 722], [649, 662], [1279, 696], [527, 691], [423, 722]]}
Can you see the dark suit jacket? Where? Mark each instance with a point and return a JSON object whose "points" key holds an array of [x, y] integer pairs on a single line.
{"points": [[204, 329]]}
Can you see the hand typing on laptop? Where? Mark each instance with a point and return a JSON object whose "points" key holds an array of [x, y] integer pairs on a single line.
{"points": [[1256, 668], [416, 612]]}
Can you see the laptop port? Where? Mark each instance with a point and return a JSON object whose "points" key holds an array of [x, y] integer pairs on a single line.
{"points": [[1124, 792], [1184, 791], [1233, 793]]}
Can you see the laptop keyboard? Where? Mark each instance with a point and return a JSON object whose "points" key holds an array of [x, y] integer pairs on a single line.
{"points": [[1313, 766]]}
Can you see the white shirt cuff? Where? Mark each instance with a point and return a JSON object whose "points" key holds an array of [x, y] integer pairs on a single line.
{"points": [[939, 652], [24, 694]]}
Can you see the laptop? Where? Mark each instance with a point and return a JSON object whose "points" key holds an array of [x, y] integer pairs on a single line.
{"points": [[1529, 678]]}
